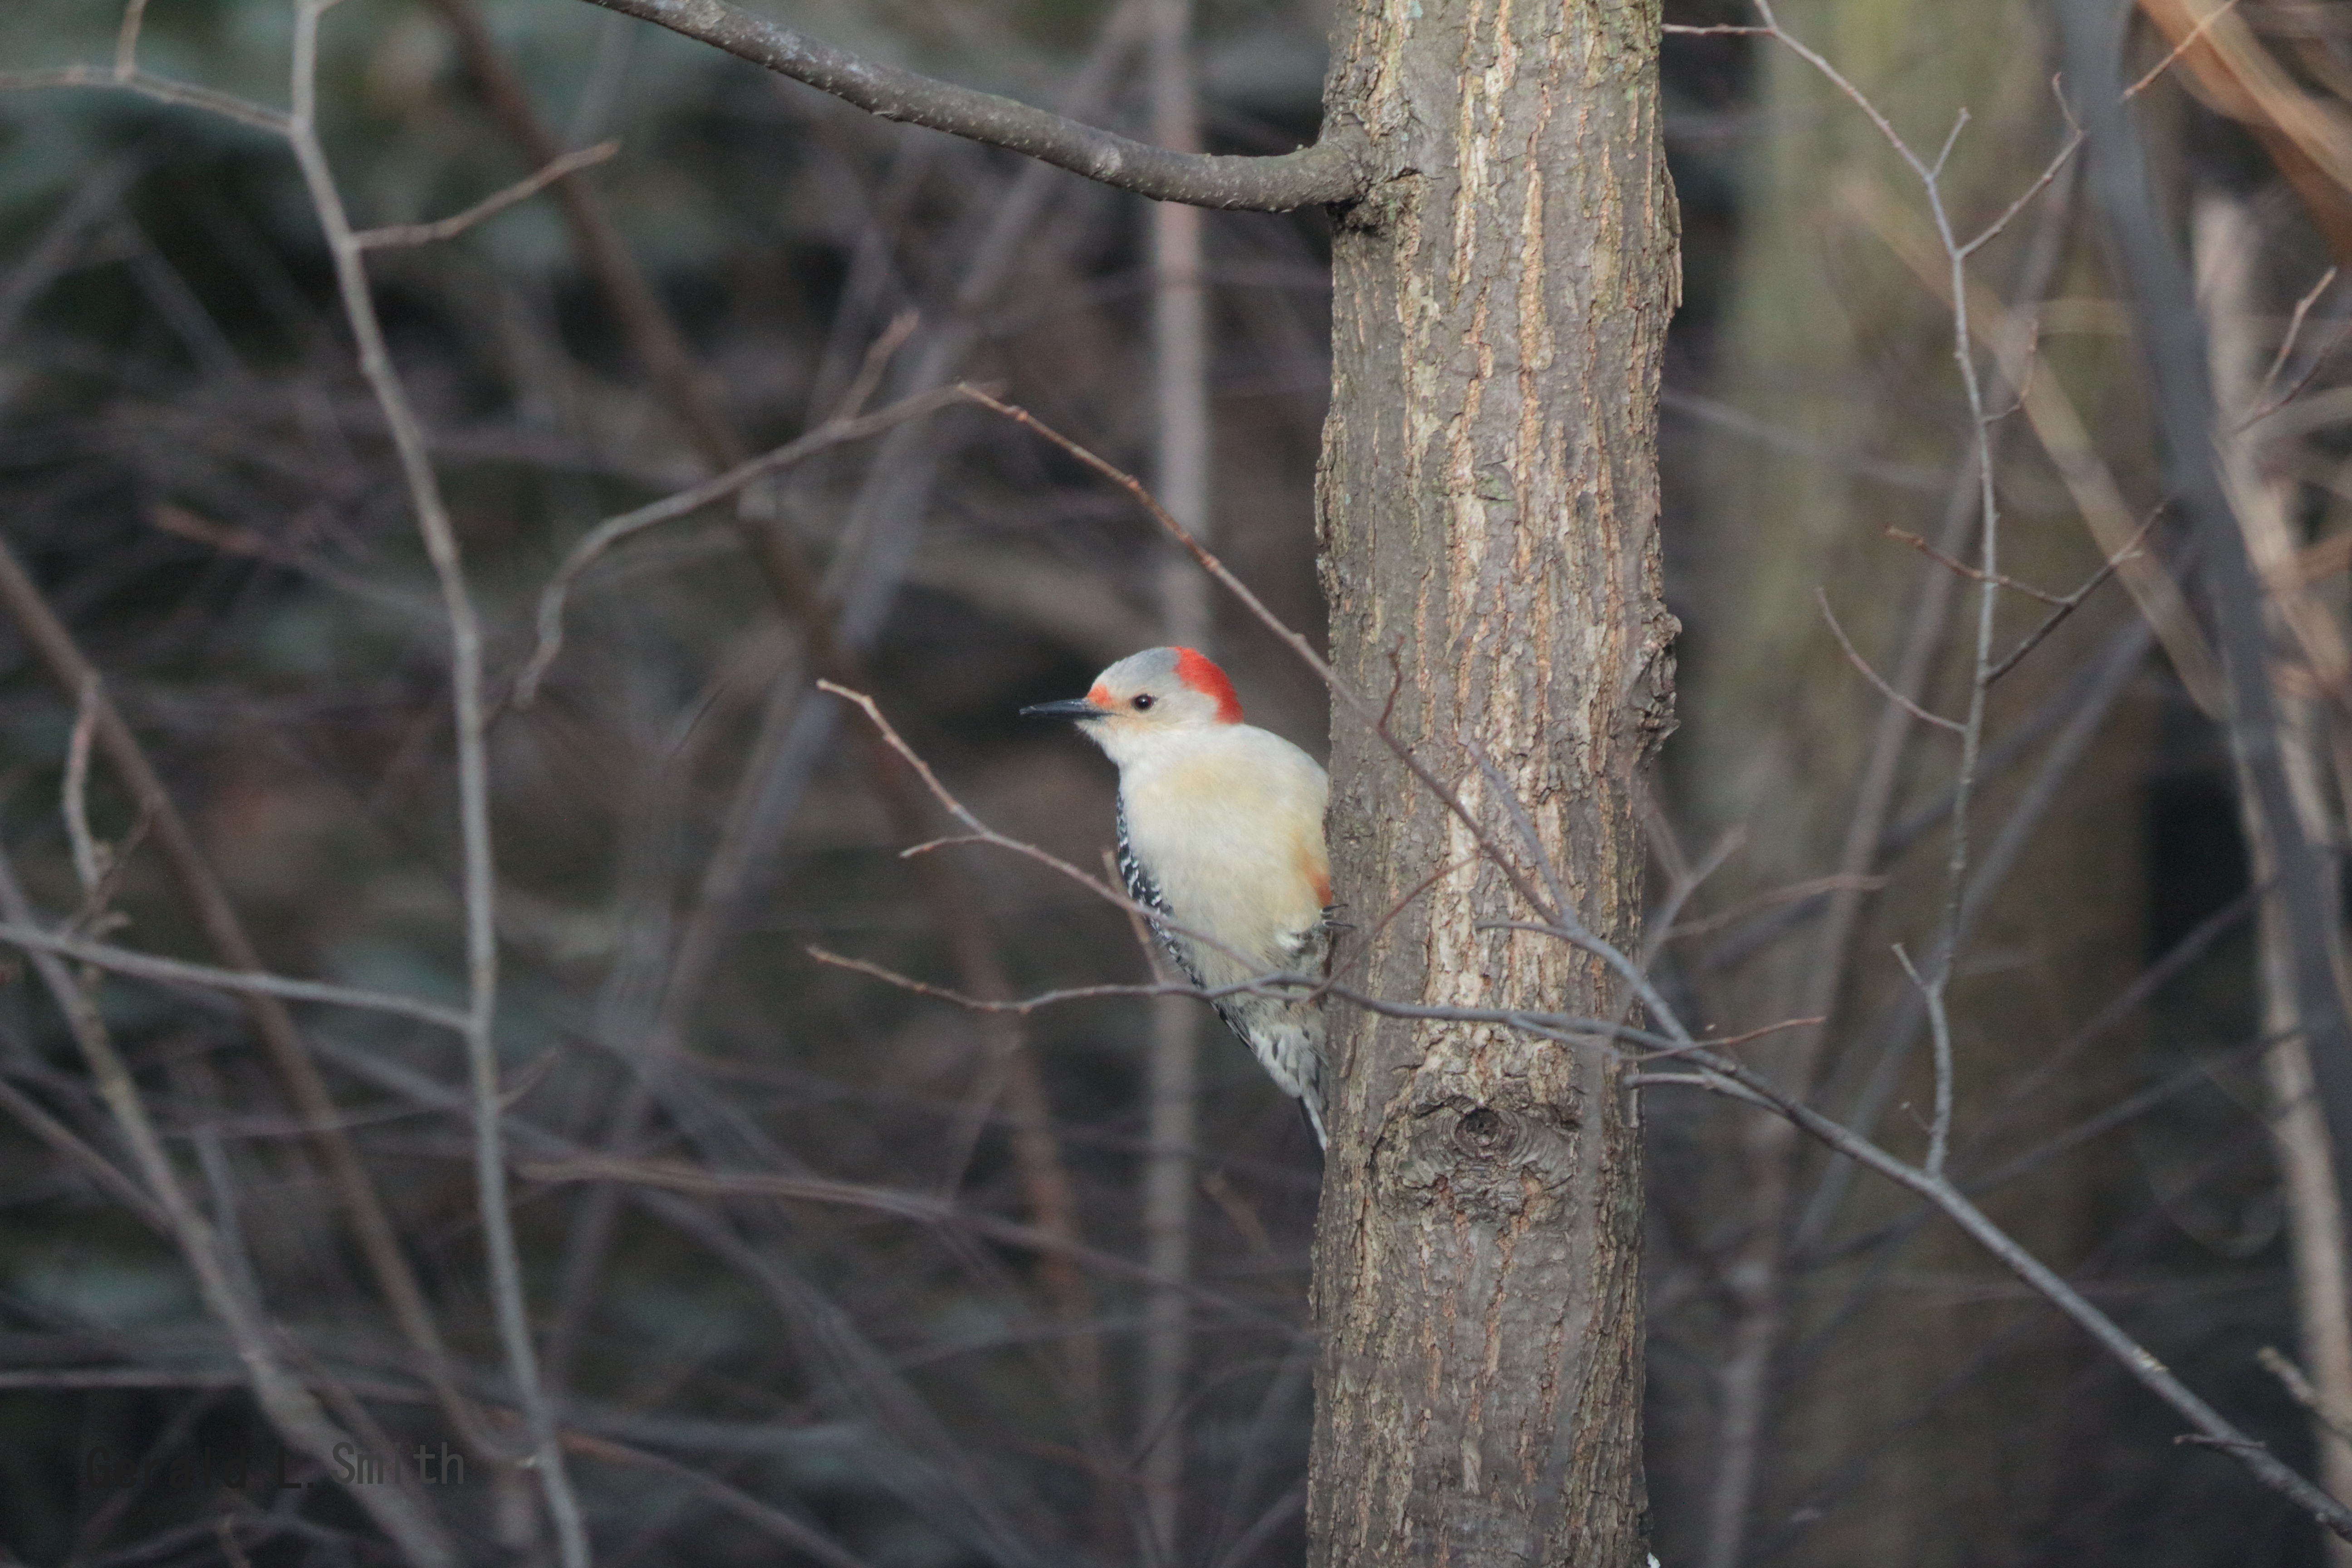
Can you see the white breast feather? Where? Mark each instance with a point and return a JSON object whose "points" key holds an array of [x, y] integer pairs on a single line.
{"points": [[1230, 824]]}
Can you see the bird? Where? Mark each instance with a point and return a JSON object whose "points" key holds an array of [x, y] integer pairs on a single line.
{"points": [[1221, 833]]}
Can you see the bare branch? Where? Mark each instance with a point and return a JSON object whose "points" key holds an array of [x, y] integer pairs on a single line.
{"points": [[1550, 1025], [805, 1540], [2058, 161], [1730, 1077], [220, 1278], [2298, 1387], [879, 355], [2072, 602], [2268, 403], [479, 872], [162, 90], [2287, 342], [406, 234], [1972, 573], [69, 1146], [178, 972], [2188, 41], [1862, 664], [74, 797], [1795, 892], [126, 39], [719, 487], [1336, 169], [920, 1207]]}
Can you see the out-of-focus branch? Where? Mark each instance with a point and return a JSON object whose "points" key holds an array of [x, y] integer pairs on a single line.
{"points": [[1728, 1077], [479, 876], [236, 982], [2147, 264], [597, 541], [2059, 426], [407, 234], [800, 592], [919, 1207], [1181, 438], [159, 90], [290, 1406], [1335, 169], [264, 995], [2309, 138], [2225, 243]]}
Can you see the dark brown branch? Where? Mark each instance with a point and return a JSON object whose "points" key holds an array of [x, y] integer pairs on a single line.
{"points": [[1335, 169]]}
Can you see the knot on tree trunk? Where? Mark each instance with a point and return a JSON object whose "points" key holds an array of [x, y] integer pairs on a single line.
{"points": [[1486, 1159]]}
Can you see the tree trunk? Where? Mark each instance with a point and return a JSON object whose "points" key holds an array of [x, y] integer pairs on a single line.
{"points": [[1488, 506]]}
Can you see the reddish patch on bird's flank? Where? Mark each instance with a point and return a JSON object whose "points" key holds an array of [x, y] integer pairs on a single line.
{"points": [[1100, 696], [1196, 670]]}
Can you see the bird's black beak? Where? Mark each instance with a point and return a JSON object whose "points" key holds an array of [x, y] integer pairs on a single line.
{"points": [[1068, 707]]}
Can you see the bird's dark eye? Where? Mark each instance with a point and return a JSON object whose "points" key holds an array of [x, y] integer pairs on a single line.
{"points": [[1143, 702]]}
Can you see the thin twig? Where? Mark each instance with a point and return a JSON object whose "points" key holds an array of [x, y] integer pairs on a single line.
{"points": [[397, 236], [74, 798], [69, 1146], [160, 90], [601, 539], [1795, 892], [1974, 576], [2042, 182], [921, 1207], [803, 1538], [178, 972], [2299, 1389], [1821, 596], [2071, 602], [2286, 343], [875, 365], [1550, 1025], [2187, 40]]}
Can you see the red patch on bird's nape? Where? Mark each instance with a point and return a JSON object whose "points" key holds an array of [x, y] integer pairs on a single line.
{"points": [[1200, 673]]}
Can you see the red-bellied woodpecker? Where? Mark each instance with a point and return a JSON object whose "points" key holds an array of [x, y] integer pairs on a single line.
{"points": [[1221, 830]]}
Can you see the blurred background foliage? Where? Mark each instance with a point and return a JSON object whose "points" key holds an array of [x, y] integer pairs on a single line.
{"points": [[192, 473]]}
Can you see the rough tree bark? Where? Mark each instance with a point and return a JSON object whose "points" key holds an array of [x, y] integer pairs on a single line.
{"points": [[1488, 512]]}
